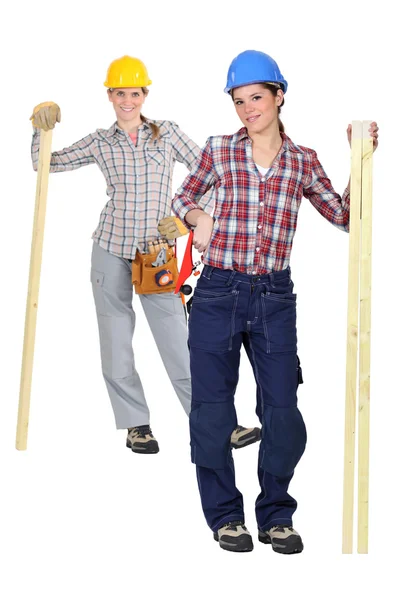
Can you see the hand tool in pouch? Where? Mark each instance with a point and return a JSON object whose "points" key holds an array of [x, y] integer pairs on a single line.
{"points": [[161, 258]]}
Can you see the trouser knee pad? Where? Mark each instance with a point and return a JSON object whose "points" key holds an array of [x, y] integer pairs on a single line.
{"points": [[211, 426], [283, 441]]}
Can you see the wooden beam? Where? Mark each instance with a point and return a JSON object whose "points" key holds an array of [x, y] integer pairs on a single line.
{"points": [[352, 338], [33, 289], [365, 340]]}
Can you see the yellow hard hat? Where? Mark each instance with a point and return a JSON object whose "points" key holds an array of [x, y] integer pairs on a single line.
{"points": [[126, 72]]}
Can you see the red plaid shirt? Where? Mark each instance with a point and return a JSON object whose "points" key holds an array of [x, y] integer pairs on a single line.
{"points": [[255, 215]]}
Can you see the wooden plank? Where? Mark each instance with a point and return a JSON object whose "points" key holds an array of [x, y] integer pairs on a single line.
{"points": [[352, 338], [33, 289], [365, 341]]}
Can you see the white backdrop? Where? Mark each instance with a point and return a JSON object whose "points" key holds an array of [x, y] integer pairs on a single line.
{"points": [[80, 515]]}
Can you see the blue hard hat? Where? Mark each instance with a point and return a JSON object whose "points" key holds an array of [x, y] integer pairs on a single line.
{"points": [[252, 66]]}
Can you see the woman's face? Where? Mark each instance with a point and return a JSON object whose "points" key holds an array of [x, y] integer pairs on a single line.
{"points": [[256, 106], [127, 102]]}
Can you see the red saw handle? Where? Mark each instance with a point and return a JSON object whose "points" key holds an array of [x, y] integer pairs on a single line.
{"points": [[187, 264]]}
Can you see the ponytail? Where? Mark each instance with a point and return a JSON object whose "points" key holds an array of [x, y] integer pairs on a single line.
{"points": [[155, 130]]}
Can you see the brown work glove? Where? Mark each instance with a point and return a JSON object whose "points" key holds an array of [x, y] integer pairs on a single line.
{"points": [[171, 228], [46, 115], [156, 246]]}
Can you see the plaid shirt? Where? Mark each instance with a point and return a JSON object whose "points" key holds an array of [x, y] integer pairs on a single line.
{"points": [[138, 177], [255, 216]]}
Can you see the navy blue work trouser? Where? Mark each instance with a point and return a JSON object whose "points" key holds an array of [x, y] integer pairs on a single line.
{"points": [[230, 309]]}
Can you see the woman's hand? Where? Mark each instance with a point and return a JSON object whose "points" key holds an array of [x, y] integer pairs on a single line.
{"points": [[46, 115], [373, 131], [202, 232]]}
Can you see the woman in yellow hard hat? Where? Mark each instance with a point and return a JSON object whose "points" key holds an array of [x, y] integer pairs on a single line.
{"points": [[136, 156]]}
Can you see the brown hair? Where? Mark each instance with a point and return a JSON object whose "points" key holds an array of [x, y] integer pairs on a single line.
{"points": [[155, 130], [274, 91]]}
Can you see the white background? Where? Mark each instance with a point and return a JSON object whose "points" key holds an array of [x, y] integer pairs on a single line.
{"points": [[81, 516]]}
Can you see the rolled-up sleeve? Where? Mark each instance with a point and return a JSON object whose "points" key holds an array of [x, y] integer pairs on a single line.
{"points": [[329, 204], [75, 156], [202, 178]]}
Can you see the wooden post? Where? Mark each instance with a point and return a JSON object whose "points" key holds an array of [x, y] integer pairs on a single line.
{"points": [[358, 336], [365, 340], [33, 288], [352, 338]]}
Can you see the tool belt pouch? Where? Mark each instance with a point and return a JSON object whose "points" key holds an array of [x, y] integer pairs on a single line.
{"points": [[154, 280]]}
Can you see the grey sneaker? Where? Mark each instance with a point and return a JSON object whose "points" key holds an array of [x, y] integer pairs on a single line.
{"points": [[243, 436], [284, 539], [140, 439], [233, 536]]}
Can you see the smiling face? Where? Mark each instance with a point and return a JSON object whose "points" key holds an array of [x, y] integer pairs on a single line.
{"points": [[127, 102], [257, 107]]}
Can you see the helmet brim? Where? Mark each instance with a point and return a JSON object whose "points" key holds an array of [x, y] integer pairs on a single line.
{"points": [[107, 85], [281, 85]]}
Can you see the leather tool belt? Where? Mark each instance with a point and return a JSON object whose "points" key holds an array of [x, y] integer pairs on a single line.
{"points": [[148, 279]]}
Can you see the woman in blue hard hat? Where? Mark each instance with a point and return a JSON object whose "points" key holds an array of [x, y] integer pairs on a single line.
{"points": [[136, 156], [245, 296]]}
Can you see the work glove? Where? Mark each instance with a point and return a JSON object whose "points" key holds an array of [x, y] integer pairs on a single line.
{"points": [[156, 246], [171, 228], [46, 115]]}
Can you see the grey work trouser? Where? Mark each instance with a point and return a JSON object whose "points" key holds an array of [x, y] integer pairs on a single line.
{"points": [[112, 289]]}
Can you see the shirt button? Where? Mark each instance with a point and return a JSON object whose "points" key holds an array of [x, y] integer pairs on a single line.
{"points": [[257, 249], [259, 226], [263, 179], [261, 203], [254, 272]]}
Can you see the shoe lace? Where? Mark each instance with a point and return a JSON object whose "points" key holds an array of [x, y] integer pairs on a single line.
{"points": [[239, 429], [281, 528], [141, 431], [233, 525]]}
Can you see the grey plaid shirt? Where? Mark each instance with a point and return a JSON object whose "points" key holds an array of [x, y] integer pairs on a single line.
{"points": [[138, 177]]}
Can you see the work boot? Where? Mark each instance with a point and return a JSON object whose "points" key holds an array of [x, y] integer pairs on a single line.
{"points": [[284, 539], [234, 537], [243, 436], [140, 439]]}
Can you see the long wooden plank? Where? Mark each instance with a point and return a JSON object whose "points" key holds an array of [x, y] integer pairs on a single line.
{"points": [[352, 338], [365, 341], [33, 289]]}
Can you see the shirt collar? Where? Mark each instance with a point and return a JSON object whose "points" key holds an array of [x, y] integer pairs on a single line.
{"points": [[287, 144], [116, 131]]}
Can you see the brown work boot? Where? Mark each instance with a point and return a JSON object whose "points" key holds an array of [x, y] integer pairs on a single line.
{"points": [[141, 440], [244, 436], [283, 538], [234, 536]]}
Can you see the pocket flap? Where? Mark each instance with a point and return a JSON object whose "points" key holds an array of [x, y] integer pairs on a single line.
{"points": [[96, 277]]}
